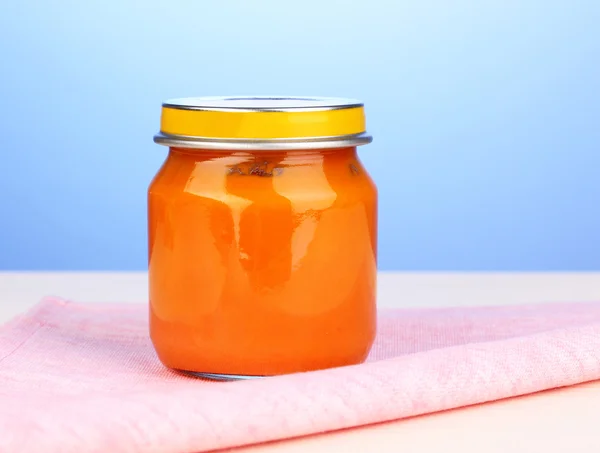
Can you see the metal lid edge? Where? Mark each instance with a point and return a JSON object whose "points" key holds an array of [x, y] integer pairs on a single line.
{"points": [[277, 144], [336, 104]]}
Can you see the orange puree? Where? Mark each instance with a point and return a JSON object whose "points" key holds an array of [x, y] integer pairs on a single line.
{"points": [[262, 262]]}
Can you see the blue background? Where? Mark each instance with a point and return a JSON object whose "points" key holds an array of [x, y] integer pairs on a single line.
{"points": [[486, 117]]}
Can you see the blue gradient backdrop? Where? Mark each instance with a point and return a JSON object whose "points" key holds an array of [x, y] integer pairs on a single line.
{"points": [[486, 117]]}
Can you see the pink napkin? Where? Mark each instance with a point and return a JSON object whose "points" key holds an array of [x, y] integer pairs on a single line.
{"points": [[84, 378]]}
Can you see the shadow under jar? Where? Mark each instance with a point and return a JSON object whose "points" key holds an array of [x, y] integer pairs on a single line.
{"points": [[262, 237]]}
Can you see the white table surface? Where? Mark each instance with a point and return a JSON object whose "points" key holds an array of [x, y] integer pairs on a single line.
{"points": [[557, 421]]}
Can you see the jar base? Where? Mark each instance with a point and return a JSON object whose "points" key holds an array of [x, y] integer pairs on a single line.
{"points": [[220, 377]]}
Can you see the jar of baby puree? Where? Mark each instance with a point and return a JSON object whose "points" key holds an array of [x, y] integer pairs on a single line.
{"points": [[262, 237]]}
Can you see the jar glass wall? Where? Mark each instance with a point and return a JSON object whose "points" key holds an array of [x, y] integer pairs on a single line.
{"points": [[262, 262]]}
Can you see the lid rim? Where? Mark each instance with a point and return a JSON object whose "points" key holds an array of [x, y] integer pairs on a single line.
{"points": [[334, 104], [269, 144]]}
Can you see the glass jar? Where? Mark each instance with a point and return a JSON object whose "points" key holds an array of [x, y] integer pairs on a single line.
{"points": [[262, 237]]}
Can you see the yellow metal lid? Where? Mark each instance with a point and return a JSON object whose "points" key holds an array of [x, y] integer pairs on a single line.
{"points": [[262, 123]]}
